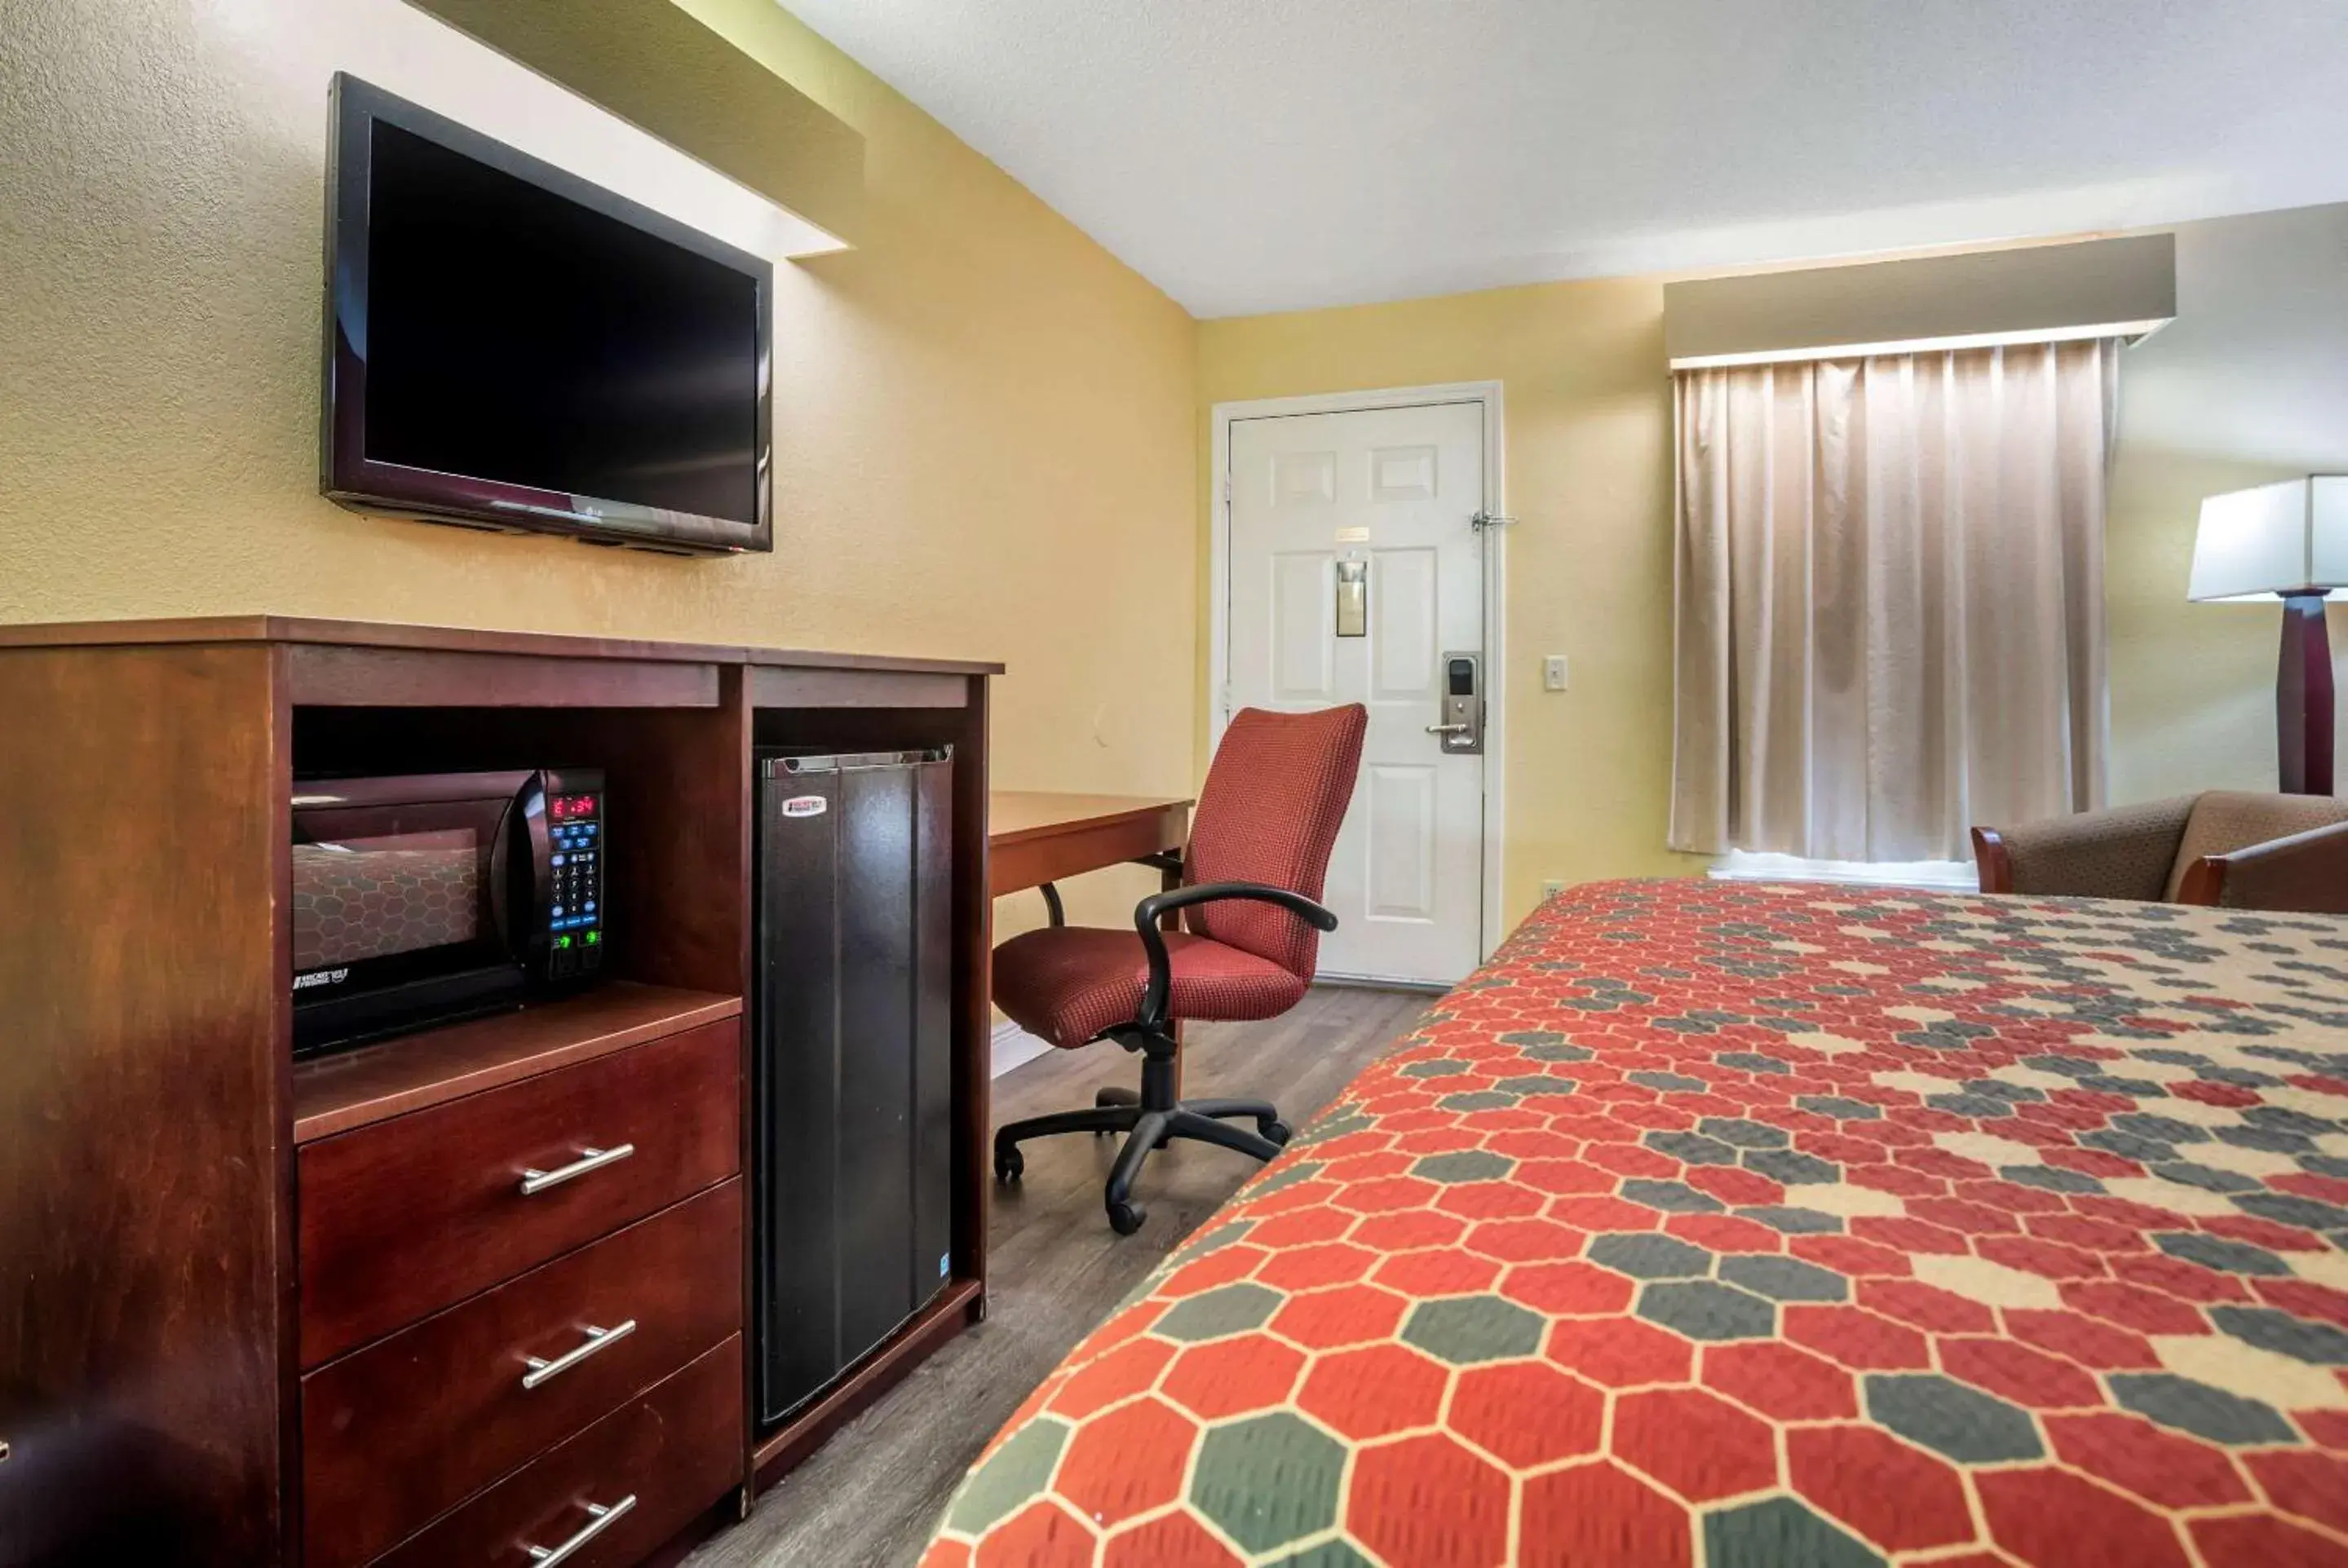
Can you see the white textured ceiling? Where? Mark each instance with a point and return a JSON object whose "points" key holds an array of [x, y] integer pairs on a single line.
{"points": [[1257, 154]]}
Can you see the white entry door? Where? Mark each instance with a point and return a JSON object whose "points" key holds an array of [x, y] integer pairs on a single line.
{"points": [[1393, 490]]}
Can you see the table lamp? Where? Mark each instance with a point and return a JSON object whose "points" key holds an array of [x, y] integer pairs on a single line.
{"points": [[2286, 541]]}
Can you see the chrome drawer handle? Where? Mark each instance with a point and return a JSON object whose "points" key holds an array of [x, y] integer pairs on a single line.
{"points": [[600, 1519], [534, 1181], [541, 1370]]}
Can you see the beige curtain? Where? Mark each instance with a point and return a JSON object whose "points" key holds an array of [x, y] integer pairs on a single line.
{"points": [[1890, 600]]}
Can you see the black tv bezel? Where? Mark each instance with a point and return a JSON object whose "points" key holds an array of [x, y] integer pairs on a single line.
{"points": [[349, 479]]}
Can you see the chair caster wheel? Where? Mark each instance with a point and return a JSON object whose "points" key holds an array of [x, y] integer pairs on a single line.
{"points": [[1010, 1164], [1276, 1131], [1126, 1218]]}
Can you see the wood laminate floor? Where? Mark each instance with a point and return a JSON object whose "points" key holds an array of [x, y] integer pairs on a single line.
{"points": [[869, 1497]]}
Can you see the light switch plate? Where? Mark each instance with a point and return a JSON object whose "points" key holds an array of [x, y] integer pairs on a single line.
{"points": [[1553, 672]]}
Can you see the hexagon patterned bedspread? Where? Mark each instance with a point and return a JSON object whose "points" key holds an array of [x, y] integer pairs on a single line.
{"points": [[1760, 1227]]}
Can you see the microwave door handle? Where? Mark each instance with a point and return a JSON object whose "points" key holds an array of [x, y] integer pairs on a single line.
{"points": [[499, 873], [531, 803]]}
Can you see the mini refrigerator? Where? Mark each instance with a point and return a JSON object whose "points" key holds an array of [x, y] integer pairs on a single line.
{"points": [[852, 1015]]}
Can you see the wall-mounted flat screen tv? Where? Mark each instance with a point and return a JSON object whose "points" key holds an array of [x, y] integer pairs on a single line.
{"points": [[510, 346]]}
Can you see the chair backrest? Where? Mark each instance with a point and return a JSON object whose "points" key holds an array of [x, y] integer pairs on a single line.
{"points": [[2225, 820], [1274, 797]]}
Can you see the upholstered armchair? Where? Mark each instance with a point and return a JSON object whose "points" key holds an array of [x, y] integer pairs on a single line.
{"points": [[2245, 851]]}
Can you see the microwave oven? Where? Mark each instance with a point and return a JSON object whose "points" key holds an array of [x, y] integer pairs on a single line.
{"points": [[432, 896]]}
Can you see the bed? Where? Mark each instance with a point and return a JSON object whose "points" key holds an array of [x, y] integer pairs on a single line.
{"points": [[1759, 1226]]}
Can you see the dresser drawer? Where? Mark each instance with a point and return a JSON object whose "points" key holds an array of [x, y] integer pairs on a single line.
{"points": [[656, 1463], [404, 1218], [405, 1429]]}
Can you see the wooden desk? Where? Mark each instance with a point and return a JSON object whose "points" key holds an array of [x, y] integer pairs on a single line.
{"points": [[1034, 836]]}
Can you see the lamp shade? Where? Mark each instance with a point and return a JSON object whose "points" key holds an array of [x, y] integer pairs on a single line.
{"points": [[2286, 538]]}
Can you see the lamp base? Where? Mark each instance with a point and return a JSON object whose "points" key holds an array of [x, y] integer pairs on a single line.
{"points": [[2303, 697]]}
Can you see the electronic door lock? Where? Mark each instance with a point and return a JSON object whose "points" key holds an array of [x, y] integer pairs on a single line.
{"points": [[1462, 727]]}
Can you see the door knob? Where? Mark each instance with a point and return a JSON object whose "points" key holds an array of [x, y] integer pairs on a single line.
{"points": [[1450, 729]]}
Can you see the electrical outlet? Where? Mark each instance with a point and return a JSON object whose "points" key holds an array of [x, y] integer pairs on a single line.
{"points": [[1553, 672], [1552, 888]]}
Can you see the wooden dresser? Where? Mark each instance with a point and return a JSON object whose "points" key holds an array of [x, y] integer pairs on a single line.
{"points": [[478, 1294], [490, 1278]]}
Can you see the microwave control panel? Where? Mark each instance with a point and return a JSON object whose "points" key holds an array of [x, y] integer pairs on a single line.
{"points": [[574, 825]]}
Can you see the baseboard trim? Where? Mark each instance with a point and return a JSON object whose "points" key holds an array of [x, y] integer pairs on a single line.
{"points": [[1014, 1046], [1381, 983]]}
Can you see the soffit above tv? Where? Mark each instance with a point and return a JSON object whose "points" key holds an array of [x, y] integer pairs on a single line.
{"points": [[2030, 294], [656, 67]]}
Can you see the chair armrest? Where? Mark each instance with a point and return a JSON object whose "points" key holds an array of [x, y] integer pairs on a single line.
{"points": [[2125, 853], [2305, 873], [1993, 861], [1151, 910]]}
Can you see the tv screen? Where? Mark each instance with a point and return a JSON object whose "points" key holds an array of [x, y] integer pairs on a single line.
{"points": [[511, 346]]}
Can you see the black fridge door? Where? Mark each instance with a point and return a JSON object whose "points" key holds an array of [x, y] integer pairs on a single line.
{"points": [[853, 1019]]}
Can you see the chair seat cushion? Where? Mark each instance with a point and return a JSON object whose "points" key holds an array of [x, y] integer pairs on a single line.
{"points": [[1068, 983]]}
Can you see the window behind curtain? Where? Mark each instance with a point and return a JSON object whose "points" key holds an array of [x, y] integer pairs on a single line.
{"points": [[1890, 600]]}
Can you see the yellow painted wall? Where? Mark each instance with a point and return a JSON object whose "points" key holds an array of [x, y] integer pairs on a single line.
{"points": [[983, 421], [991, 435], [1589, 565]]}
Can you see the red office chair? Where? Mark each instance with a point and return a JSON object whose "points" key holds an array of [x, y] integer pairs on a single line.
{"points": [[1267, 819]]}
